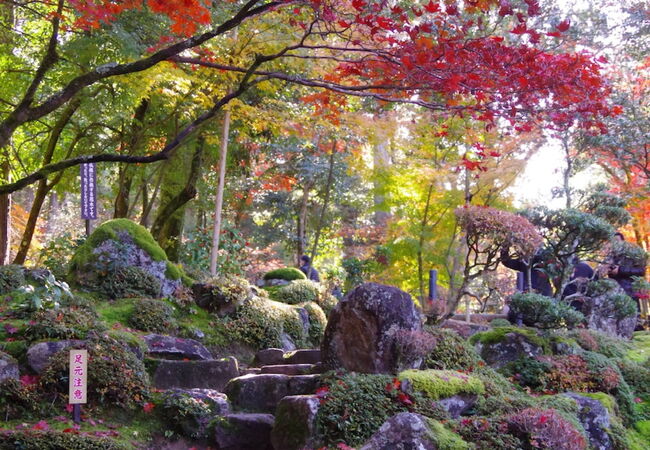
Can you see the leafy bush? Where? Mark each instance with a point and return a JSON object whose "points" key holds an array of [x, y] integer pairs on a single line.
{"points": [[17, 401], [596, 341], [543, 312], [451, 351], [54, 440], [196, 246], [187, 414], [48, 293], [600, 287], [529, 372], [63, 323], [11, 277], [354, 406], [317, 323], [487, 433], [437, 384], [496, 323], [115, 375], [501, 396], [299, 291], [412, 346], [285, 273], [130, 281], [326, 300], [636, 376], [229, 288], [58, 252], [568, 373], [545, 429], [152, 315]]}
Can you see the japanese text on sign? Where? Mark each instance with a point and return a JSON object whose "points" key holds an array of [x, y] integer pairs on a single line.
{"points": [[78, 376], [88, 191]]}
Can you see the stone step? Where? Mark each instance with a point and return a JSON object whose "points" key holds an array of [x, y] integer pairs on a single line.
{"points": [[262, 393], [249, 371], [210, 374], [289, 369], [295, 423], [277, 356], [244, 432]]}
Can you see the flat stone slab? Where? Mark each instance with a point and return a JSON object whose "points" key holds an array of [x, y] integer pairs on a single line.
{"points": [[244, 432], [262, 393], [38, 355], [213, 374], [170, 347], [303, 356], [289, 369], [269, 356]]}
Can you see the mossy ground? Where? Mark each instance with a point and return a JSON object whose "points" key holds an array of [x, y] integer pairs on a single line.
{"points": [[640, 343]]}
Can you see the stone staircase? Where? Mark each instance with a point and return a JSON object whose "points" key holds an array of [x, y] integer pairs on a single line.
{"points": [[279, 382]]}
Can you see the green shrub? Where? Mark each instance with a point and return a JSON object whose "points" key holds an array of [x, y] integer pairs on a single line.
{"points": [[17, 401], [451, 351], [11, 277], [501, 397], [600, 287], [437, 384], [528, 372], [46, 293], [326, 300], [188, 415], [444, 438], [129, 281], [58, 252], [317, 323], [63, 323], [496, 323], [543, 312], [115, 375], [299, 291], [487, 433], [354, 406], [54, 440], [636, 376], [229, 288], [156, 316], [285, 273], [596, 341]]}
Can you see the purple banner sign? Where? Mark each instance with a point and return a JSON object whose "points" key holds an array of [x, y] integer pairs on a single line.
{"points": [[88, 191]]}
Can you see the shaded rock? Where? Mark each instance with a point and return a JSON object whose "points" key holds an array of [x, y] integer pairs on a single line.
{"points": [[600, 315], [244, 432], [8, 367], [594, 418], [269, 357], [404, 431], [361, 328], [262, 393], [303, 356], [463, 328], [458, 405], [295, 423], [209, 296], [288, 369], [213, 374], [38, 355], [512, 347], [287, 342], [169, 347]]}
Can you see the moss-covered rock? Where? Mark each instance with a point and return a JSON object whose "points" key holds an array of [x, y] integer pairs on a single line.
{"points": [[500, 346], [437, 384], [285, 273], [451, 351], [153, 315], [118, 244], [298, 291]]}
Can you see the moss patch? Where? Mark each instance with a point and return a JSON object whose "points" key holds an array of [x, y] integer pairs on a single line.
{"points": [[118, 311], [445, 438], [438, 384], [497, 335], [605, 399], [640, 351]]}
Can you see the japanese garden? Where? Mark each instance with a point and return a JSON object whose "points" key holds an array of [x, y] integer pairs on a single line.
{"points": [[324, 224]]}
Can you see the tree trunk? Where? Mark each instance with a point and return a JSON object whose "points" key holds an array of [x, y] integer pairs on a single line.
{"points": [[423, 226], [326, 201], [302, 222], [218, 204], [125, 171], [168, 226], [5, 216]]}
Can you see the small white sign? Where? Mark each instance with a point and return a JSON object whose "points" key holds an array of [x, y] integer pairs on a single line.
{"points": [[78, 377]]}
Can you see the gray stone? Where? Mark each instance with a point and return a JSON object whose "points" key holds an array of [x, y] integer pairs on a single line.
{"points": [[213, 374], [217, 401], [594, 418], [295, 423], [169, 347], [463, 328], [289, 369], [38, 355], [458, 405], [512, 347], [286, 342], [302, 356], [8, 367], [404, 431], [600, 316], [269, 357], [262, 393], [244, 432], [360, 331]]}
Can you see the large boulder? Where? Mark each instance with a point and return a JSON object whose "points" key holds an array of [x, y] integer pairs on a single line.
{"points": [[594, 418], [497, 348], [169, 347], [122, 244], [8, 367], [244, 432], [210, 374], [361, 329], [38, 355], [601, 313], [263, 392]]}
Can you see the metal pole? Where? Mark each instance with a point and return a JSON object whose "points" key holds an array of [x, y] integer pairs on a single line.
{"points": [[87, 227], [433, 284], [76, 413]]}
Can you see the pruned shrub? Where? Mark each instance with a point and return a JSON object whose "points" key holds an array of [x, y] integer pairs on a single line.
{"points": [[451, 351], [187, 414], [299, 291], [156, 316], [63, 323], [317, 323], [545, 429], [543, 312], [285, 273], [528, 372], [115, 375], [487, 433], [17, 401], [412, 347], [55, 440], [496, 323], [12, 277], [130, 281]]}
